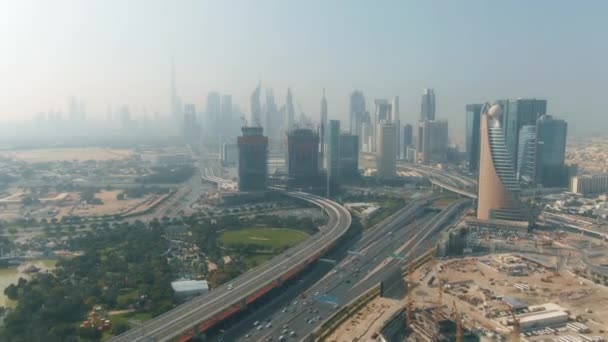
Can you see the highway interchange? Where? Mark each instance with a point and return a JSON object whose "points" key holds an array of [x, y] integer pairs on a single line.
{"points": [[379, 252], [204, 308]]}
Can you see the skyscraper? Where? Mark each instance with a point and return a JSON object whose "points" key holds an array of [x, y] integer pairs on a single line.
{"points": [[526, 155], [498, 188], [256, 107], [516, 114], [349, 157], [226, 107], [253, 159], [408, 136], [302, 156], [290, 110], [271, 124], [394, 117], [323, 131], [432, 141], [333, 158], [551, 170], [427, 107], [386, 154], [357, 112], [472, 135]]}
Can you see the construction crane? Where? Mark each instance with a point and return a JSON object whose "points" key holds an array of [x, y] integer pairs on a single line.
{"points": [[458, 319]]}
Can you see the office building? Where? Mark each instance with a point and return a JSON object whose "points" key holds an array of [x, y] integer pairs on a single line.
{"points": [[516, 114], [432, 141], [357, 112], [367, 137], [349, 157], [253, 159], [427, 107], [256, 107], [498, 189], [290, 111], [271, 120], [394, 117], [589, 184], [386, 154], [526, 155], [333, 158], [302, 156], [408, 136], [382, 111], [472, 136], [323, 131], [551, 170]]}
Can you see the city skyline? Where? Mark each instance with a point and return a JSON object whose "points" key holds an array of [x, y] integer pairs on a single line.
{"points": [[133, 67]]}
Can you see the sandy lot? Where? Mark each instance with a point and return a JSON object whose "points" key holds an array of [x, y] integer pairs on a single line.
{"points": [[110, 205], [54, 154]]}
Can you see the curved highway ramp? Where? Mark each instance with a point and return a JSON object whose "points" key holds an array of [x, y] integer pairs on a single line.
{"points": [[206, 311]]}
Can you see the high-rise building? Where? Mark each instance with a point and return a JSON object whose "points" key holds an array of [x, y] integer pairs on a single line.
{"points": [[386, 154], [333, 158], [230, 154], [526, 155], [408, 136], [367, 137], [253, 159], [498, 189], [551, 170], [323, 131], [516, 114], [432, 141], [256, 107], [394, 117], [290, 110], [382, 111], [302, 156], [349, 157], [472, 136], [427, 107], [357, 112], [271, 122]]}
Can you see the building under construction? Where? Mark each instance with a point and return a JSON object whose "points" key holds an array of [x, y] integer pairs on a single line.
{"points": [[253, 159], [303, 157]]}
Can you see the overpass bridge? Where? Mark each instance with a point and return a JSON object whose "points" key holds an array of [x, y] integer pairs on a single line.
{"points": [[203, 313]]}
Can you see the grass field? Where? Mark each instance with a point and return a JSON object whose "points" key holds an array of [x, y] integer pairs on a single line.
{"points": [[263, 238]]}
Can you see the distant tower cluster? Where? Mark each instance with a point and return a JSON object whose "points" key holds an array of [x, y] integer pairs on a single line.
{"points": [[432, 135]]}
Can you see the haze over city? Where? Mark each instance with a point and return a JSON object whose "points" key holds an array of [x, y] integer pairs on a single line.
{"points": [[265, 170], [114, 52]]}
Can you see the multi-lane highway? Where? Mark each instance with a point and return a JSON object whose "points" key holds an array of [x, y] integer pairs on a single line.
{"points": [[205, 311], [378, 253]]}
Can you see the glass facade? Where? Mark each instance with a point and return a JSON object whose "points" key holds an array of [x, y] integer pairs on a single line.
{"points": [[473, 136]]}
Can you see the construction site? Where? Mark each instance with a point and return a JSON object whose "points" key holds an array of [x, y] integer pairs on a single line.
{"points": [[546, 293]]}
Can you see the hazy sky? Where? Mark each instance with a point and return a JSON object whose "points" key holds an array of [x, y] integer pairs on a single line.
{"points": [[113, 52]]}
